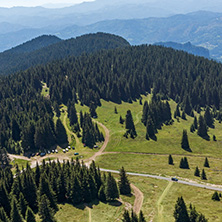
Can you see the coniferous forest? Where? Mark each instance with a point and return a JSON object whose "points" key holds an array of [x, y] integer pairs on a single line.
{"points": [[41, 189], [113, 75]]}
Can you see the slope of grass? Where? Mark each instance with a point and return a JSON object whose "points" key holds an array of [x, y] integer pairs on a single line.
{"points": [[158, 165], [168, 138]]}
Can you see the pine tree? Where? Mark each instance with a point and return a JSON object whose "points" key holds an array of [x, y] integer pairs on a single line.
{"points": [[150, 129], [45, 212], [126, 216], [141, 217], [208, 117], [28, 137], [183, 115], [92, 110], [130, 124], [216, 196], [177, 111], [202, 218], [197, 172], [193, 214], [61, 135], [101, 194], [115, 110], [15, 131], [124, 185], [214, 138], [170, 160], [111, 190], [203, 175], [195, 122], [145, 113], [202, 128], [121, 120], [184, 142], [15, 214], [22, 204], [206, 163], [3, 215], [4, 199], [45, 189], [134, 217], [29, 216], [180, 213]]}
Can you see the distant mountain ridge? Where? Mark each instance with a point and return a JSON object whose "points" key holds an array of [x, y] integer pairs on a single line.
{"points": [[187, 47], [45, 49]]}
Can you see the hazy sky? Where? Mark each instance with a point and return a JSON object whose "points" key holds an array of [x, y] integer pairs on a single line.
{"points": [[30, 3]]}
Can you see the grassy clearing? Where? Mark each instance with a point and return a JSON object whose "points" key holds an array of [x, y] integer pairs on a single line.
{"points": [[168, 138], [153, 191], [158, 165], [69, 213], [21, 163]]}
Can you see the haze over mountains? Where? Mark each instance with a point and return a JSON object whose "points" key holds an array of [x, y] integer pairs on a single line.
{"points": [[139, 22]]}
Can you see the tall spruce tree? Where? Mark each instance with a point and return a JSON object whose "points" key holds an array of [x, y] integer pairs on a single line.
{"points": [[126, 216], [208, 118], [184, 142], [170, 160], [215, 196], [197, 172], [30, 216], [141, 217], [45, 211], [22, 204], [15, 214], [206, 163], [150, 129], [124, 184], [61, 135], [202, 128], [130, 124], [180, 213], [111, 190], [3, 215], [203, 175]]}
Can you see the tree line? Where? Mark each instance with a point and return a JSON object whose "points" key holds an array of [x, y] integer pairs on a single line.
{"points": [[42, 189]]}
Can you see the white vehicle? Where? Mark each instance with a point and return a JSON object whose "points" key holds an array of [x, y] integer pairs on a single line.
{"points": [[53, 151], [69, 147], [56, 151], [64, 150], [67, 150]]}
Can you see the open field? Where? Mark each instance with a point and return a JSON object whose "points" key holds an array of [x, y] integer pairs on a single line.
{"points": [[158, 165], [168, 138]]}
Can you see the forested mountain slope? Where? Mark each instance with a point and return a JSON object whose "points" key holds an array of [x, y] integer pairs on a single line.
{"points": [[113, 75], [48, 48]]}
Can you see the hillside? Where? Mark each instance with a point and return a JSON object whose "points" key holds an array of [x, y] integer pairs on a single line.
{"points": [[78, 102], [45, 49], [187, 47]]}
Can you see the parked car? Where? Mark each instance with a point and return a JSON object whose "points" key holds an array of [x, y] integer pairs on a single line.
{"points": [[42, 154], [174, 179], [37, 154], [33, 154], [48, 152], [56, 151], [53, 151], [69, 147], [73, 147], [76, 154], [67, 150], [64, 150], [95, 146]]}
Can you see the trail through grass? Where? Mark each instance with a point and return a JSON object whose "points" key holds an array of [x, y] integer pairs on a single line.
{"points": [[159, 202]]}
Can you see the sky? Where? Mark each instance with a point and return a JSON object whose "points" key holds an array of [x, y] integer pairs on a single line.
{"points": [[45, 3]]}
